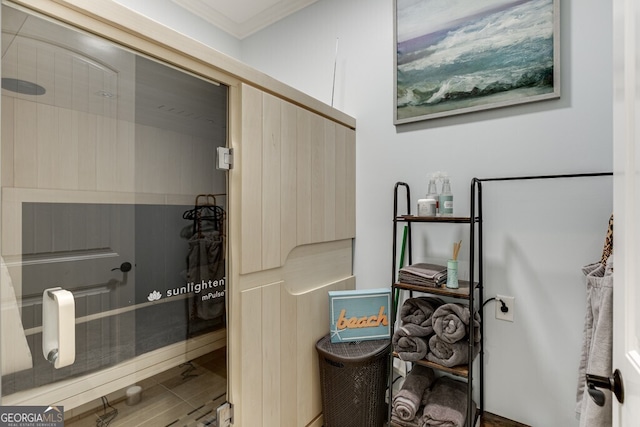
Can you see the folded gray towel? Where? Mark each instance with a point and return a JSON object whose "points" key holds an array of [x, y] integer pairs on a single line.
{"points": [[451, 322], [409, 346], [419, 311], [446, 404], [449, 354], [408, 399], [423, 274]]}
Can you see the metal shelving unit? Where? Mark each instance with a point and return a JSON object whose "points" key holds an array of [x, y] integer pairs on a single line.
{"points": [[466, 291]]}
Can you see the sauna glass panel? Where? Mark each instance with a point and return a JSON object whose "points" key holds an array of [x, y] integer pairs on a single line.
{"points": [[109, 191]]}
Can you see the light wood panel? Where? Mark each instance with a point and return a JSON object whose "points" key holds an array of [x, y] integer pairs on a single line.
{"points": [[272, 390], [329, 185], [317, 194], [288, 181], [340, 217], [350, 184], [272, 206], [250, 157], [252, 362], [303, 174], [302, 190], [280, 374], [296, 181], [290, 312], [288, 358]]}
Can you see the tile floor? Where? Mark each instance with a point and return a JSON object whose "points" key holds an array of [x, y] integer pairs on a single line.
{"points": [[187, 395]]}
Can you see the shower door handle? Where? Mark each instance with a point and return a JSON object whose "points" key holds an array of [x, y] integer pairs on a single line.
{"points": [[58, 327], [125, 267], [613, 383]]}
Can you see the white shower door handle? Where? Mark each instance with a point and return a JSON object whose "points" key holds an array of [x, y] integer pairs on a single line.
{"points": [[58, 327]]}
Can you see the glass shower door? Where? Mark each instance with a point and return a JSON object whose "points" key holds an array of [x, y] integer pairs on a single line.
{"points": [[112, 216]]}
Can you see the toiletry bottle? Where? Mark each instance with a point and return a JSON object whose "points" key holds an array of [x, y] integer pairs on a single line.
{"points": [[432, 194], [446, 198]]}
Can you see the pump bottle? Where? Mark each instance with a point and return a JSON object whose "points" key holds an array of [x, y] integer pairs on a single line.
{"points": [[432, 194], [446, 198]]}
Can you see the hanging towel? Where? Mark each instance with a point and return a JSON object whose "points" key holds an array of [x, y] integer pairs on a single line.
{"points": [[206, 267], [451, 323], [408, 399], [597, 345], [446, 404]]}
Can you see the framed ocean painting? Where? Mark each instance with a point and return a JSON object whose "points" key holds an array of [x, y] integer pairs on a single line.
{"points": [[459, 56]]}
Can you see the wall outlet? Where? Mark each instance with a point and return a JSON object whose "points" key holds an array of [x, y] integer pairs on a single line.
{"points": [[510, 304]]}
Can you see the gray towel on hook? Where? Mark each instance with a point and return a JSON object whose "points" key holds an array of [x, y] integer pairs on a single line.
{"points": [[597, 345], [451, 322], [409, 398]]}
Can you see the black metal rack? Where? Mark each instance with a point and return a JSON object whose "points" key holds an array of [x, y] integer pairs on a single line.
{"points": [[475, 220], [466, 291]]}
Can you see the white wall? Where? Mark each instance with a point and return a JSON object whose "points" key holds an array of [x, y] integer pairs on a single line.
{"points": [[171, 15], [538, 234]]}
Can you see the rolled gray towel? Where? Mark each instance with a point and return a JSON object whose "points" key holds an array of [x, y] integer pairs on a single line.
{"points": [[446, 404], [419, 311], [449, 354], [451, 322], [409, 346], [409, 398], [402, 423]]}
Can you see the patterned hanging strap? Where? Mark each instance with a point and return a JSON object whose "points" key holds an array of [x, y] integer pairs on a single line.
{"points": [[608, 243]]}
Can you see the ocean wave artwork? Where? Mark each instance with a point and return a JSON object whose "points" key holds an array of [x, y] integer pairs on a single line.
{"points": [[458, 56]]}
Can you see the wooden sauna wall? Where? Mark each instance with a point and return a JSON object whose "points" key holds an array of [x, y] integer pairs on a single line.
{"points": [[296, 179], [292, 215]]}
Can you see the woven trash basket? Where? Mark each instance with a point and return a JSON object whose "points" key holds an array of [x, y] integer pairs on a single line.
{"points": [[353, 378]]}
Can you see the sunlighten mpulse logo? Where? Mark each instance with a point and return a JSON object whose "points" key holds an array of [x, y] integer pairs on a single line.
{"points": [[215, 288]]}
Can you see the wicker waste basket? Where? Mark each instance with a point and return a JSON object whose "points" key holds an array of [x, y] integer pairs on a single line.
{"points": [[353, 378]]}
